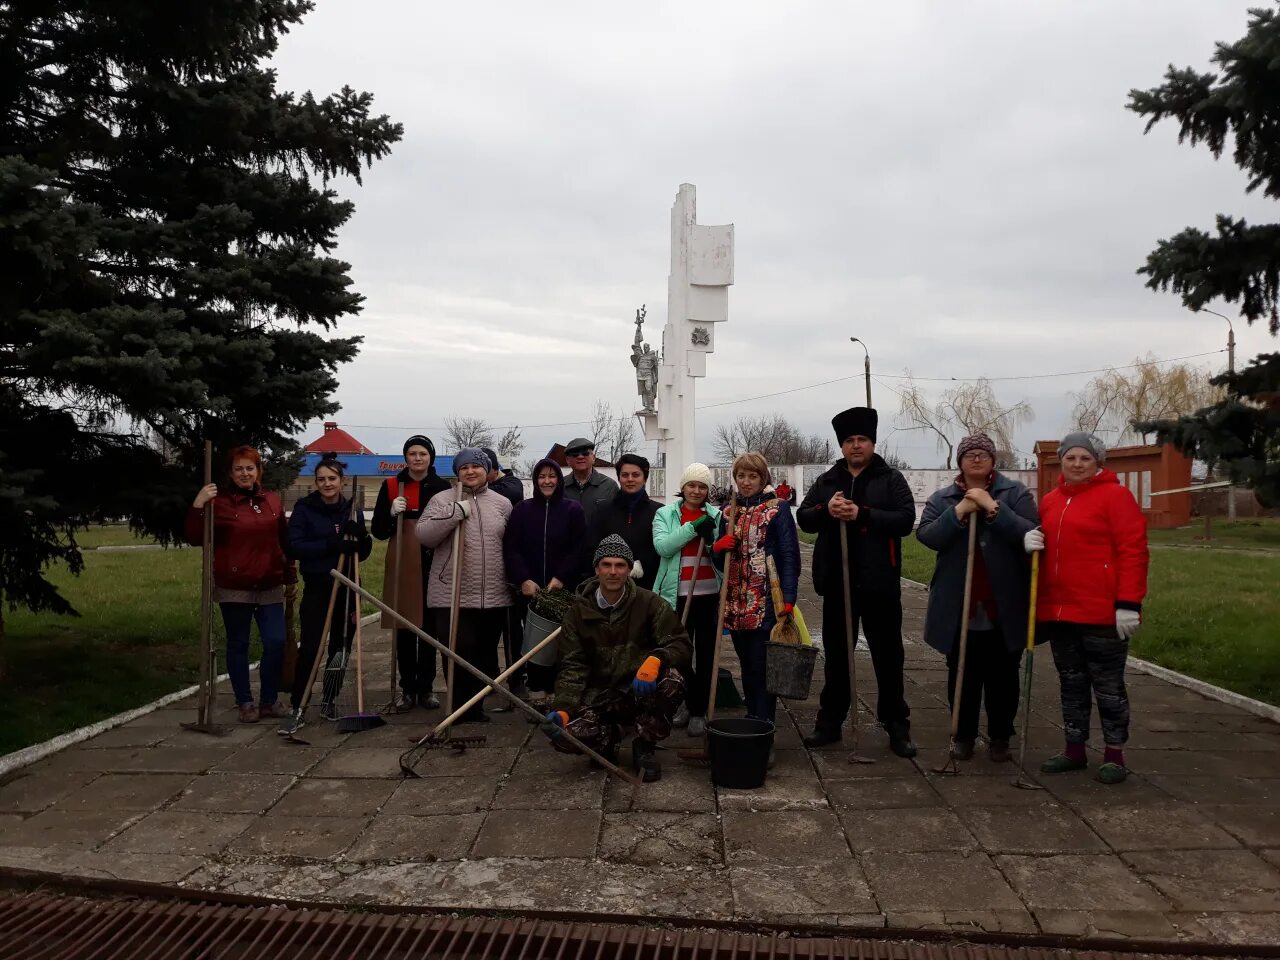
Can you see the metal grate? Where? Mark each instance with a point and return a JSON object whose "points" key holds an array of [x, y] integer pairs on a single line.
{"points": [[40, 925]]}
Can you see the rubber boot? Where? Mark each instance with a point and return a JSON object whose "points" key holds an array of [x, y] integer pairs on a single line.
{"points": [[644, 760]]}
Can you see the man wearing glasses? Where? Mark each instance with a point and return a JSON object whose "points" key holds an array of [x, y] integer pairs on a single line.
{"points": [[585, 483]]}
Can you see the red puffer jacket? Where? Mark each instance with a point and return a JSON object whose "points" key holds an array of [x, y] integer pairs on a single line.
{"points": [[1095, 551], [249, 534]]}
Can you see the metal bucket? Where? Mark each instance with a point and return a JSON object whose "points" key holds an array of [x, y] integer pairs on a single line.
{"points": [[537, 629], [788, 669]]}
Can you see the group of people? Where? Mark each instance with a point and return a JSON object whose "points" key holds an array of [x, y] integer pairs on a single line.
{"points": [[646, 579]]}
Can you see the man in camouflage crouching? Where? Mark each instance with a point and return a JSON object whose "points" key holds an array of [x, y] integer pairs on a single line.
{"points": [[622, 653]]}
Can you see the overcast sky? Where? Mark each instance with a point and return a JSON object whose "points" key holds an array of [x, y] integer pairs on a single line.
{"points": [[960, 185]]}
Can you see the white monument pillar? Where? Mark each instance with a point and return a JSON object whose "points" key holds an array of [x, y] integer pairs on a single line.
{"points": [[697, 300]]}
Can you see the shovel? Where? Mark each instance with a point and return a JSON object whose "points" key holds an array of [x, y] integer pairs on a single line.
{"points": [[950, 768], [850, 644], [390, 706], [1022, 782]]}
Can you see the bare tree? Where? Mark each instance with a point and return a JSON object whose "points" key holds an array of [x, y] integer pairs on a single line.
{"points": [[1115, 400], [614, 432], [964, 409], [462, 432], [511, 444], [774, 436], [894, 459]]}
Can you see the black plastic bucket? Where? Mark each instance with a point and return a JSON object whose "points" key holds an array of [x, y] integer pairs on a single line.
{"points": [[739, 748], [788, 669]]}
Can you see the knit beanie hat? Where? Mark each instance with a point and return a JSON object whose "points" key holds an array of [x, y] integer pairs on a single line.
{"points": [[976, 441], [696, 473], [1086, 440], [470, 457], [613, 546], [635, 460], [418, 440]]}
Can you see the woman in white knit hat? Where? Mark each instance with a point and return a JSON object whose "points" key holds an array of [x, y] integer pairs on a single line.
{"points": [[681, 531]]}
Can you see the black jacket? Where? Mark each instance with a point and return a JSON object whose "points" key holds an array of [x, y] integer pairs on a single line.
{"points": [[381, 525], [509, 486], [634, 524], [886, 514], [315, 534]]}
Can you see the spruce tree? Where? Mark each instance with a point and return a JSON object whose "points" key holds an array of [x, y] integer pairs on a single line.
{"points": [[1240, 262], [167, 227]]}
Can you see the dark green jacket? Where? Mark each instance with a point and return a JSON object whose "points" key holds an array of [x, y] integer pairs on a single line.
{"points": [[601, 650]]}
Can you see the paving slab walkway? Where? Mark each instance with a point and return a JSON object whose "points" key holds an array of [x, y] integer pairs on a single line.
{"points": [[1188, 848]]}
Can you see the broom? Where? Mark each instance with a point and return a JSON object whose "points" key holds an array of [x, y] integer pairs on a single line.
{"points": [[360, 720]]}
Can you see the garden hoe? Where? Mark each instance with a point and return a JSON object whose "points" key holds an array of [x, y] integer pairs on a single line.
{"points": [[455, 599], [208, 660], [702, 754], [850, 644], [1022, 782], [950, 768], [494, 685]]}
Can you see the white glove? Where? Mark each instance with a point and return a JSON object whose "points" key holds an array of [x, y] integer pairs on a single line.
{"points": [[637, 571], [1033, 540], [466, 506], [398, 506], [1127, 623]]}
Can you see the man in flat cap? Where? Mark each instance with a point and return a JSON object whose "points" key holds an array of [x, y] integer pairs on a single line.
{"points": [[873, 500], [623, 654], [585, 484]]}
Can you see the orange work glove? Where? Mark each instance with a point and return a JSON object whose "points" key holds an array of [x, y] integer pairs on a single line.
{"points": [[646, 682]]}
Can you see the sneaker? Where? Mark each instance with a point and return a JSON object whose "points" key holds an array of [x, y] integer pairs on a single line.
{"points": [[644, 760], [697, 726], [961, 749], [291, 724], [428, 701], [328, 710], [1111, 773], [402, 703], [681, 719], [272, 711], [998, 751], [1061, 763], [475, 715], [503, 705], [900, 741], [248, 713], [821, 738]]}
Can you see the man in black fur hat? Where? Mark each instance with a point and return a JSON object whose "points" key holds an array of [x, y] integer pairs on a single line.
{"points": [[873, 499]]}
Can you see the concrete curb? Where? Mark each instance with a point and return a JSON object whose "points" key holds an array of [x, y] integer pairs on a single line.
{"points": [[38, 751], [1256, 707]]}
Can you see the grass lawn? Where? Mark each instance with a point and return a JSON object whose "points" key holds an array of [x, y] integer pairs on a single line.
{"points": [[1212, 614], [136, 640], [1259, 534]]}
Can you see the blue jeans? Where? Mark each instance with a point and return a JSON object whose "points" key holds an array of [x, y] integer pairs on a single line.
{"points": [[750, 645], [237, 618]]}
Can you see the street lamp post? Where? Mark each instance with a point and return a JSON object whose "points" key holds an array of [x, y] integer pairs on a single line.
{"points": [[866, 366], [1231, 369]]}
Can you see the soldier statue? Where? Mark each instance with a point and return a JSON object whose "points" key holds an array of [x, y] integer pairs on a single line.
{"points": [[646, 363]]}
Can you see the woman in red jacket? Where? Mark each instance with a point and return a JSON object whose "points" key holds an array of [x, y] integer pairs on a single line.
{"points": [[249, 572], [1093, 578]]}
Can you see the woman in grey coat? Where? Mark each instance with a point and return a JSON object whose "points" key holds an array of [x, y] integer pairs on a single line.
{"points": [[1004, 510]]}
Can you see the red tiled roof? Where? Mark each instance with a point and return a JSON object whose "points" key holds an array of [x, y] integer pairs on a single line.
{"points": [[336, 440]]}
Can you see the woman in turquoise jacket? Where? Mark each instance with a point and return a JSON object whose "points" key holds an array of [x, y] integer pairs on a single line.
{"points": [[681, 531]]}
